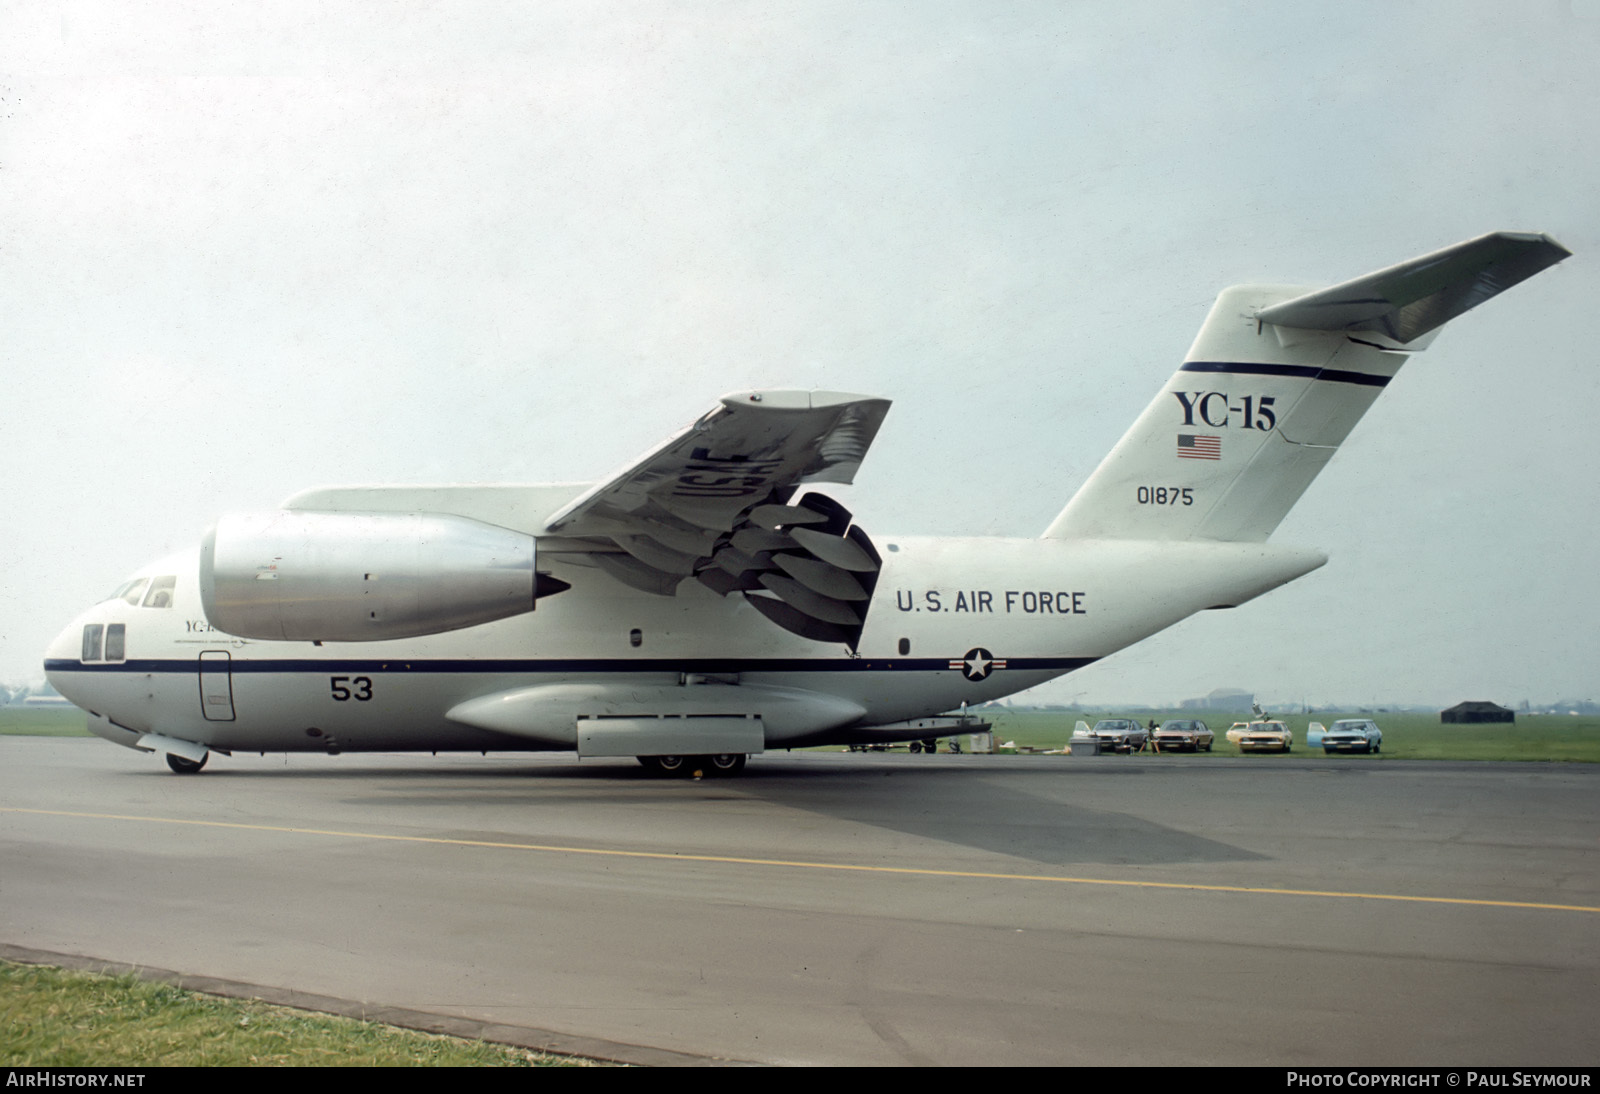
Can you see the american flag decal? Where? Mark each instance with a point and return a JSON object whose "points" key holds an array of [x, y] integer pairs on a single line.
{"points": [[1192, 447]]}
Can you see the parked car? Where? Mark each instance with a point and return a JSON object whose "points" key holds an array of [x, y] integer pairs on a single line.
{"points": [[1237, 730], [1270, 736], [1184, 735], [1353, 735], [1120, 735]]}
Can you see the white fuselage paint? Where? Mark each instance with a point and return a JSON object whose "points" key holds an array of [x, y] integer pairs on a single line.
{"points": [[1038, 607]]}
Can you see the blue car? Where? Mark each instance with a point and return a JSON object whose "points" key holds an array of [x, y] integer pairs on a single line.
{"points": [[1353, 735]]}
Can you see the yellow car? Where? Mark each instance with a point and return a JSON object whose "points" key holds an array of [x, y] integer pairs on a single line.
{"points": [[1264, 737]]}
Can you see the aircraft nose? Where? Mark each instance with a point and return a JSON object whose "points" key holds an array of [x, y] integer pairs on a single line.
{"points": [[64, 646], [64, 654]]}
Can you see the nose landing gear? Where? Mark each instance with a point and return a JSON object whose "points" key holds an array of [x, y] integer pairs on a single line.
{"points": [[182, 766]]}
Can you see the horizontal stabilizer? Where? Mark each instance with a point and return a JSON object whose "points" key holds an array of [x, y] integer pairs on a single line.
{"points": [[1406, 301]]}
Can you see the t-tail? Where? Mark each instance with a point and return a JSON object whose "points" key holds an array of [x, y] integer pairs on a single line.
{"points": [[1274, 383]]}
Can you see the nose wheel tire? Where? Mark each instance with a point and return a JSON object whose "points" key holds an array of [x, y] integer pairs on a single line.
{"points": [[185, 767]]}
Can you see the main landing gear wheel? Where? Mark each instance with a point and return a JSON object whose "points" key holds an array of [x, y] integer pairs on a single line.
{"points": [[722, 764], [665, 765], [183, 766]]}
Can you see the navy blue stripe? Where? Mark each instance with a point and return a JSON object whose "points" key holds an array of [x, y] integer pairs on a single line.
{"points": [[1310, 372], [569, 666]]}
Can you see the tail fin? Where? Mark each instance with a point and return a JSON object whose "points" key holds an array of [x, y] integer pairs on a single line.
{"points": [[1273, 384]]}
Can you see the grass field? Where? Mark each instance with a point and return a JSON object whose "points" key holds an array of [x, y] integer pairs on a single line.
{"points": [[56, 1018], [1405, 736], [43, 722]]}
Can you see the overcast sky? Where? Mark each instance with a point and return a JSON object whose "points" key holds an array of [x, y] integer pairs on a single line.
{"points": [[251, 248]]}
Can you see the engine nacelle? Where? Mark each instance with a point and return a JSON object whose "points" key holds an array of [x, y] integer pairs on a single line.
{"points": [[356, 577]]}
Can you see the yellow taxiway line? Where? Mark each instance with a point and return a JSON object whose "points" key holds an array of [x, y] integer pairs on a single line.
{"points": [[800, 864]]}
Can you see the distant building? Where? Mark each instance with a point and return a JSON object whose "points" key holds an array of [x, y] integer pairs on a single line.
{"points": [[1222, 699], [1463, 713]]}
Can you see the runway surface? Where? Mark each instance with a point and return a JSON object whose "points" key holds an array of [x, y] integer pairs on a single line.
{"points": [[834, 908]]}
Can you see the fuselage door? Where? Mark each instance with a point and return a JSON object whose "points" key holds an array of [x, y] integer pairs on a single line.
{"points": [[216, 686]]}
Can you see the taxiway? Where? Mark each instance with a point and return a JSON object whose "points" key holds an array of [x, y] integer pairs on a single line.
{"points": [[857, 909]]}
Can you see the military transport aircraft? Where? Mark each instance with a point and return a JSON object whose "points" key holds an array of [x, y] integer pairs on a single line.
{"points": [[705, 604]]}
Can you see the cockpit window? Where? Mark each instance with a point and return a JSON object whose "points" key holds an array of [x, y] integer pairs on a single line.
{"points": [[116, 642], [130, 590], [160, 594], [92, 633]]}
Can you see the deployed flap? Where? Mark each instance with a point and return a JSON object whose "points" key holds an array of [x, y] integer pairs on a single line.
{"points": [[1406, 301], [714, 502]]}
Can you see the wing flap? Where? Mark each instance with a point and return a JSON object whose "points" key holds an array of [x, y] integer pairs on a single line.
{"points": [[714, 503]]}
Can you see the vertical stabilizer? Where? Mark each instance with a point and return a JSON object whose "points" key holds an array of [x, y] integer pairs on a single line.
{"points": [[1275, 381]]}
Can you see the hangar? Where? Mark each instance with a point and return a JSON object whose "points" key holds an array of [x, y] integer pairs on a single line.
{"points": [[1471, 712]]}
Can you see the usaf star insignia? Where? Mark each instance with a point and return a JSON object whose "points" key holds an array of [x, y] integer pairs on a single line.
{"points": [[978, 664]]}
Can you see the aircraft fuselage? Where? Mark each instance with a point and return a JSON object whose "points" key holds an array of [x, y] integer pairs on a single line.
{"points": [[952, 621]]}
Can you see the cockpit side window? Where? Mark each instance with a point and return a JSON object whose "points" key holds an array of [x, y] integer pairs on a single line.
{"points": [[160, 594], [116, 642], [92, 633]]}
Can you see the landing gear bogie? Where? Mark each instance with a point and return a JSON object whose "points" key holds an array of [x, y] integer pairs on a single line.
{"points": [[721, 765]]}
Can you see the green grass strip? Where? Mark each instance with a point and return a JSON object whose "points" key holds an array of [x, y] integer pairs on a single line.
{"points": [[56, 1018]]}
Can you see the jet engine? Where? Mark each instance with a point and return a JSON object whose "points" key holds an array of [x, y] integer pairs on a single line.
{"points": [[355, 577]]}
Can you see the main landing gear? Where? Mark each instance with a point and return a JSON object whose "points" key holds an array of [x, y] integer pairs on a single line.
{"points": [[186, 767], [721, 765]]}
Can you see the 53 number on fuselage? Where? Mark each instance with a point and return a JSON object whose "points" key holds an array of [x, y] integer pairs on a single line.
{"points": [[345, 688]]}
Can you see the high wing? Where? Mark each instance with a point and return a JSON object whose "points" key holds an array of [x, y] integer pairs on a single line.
{"points": [[716, 503]]}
